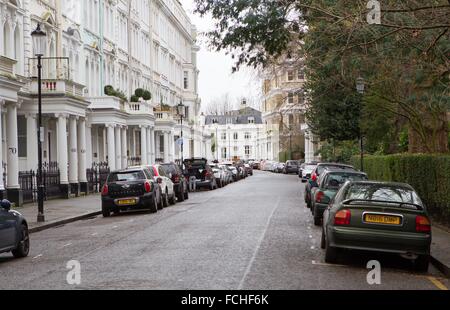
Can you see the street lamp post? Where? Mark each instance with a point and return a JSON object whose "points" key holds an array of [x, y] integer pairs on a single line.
{"points": [[360, 86], [290, 142], [181, 110], [39, 43]]}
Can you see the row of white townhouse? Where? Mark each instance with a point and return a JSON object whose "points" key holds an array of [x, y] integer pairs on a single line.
{"points": [[98, 53]]}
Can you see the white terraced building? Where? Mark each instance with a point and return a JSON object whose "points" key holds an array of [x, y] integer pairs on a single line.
{"points": [[126, 44]]}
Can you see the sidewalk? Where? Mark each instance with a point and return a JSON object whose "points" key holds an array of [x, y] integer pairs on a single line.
{"points": [[440, 250], [61, 211]]}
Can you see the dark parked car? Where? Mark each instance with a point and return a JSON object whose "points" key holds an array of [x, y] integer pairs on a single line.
{"points": [[180, 183], [291, 167], [14, 235], [248, 169], [320, 168], [199, 168], [381, 217], [130, 189], [330, 181]]}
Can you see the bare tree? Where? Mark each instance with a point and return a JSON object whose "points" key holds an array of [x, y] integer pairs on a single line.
{"points": [[220, 105]]}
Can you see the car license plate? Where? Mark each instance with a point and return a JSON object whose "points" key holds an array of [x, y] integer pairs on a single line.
{"points": [[382, 219], [126, 202]]}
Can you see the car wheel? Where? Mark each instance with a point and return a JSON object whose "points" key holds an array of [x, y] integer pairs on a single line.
{"points": [[421, 263], [330, 253], [317, 221], [322, 240], [181, 194], [186, 195], [153, 205], [166, 200], [161, 202], [106, 212], [173, 199], [23, 248]]}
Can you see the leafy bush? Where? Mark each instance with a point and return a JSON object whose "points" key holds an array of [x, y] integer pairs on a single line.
{"points": [[139, 92], [429, 175], [110, 91]]}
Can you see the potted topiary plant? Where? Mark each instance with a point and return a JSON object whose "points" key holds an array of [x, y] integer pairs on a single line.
{"points": [[139, 92], [134, 98], [147, 95], [109, 90]]}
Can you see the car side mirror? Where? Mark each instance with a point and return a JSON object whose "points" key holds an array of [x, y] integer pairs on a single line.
{"points": [[5, 204], [159, 180]]}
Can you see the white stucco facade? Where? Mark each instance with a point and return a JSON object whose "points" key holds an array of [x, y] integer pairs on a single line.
{"points": [[123, 44]]}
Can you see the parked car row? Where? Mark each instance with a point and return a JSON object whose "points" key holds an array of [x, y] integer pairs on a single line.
{"points": [[154, 187], [358, 214], [290, 166]]}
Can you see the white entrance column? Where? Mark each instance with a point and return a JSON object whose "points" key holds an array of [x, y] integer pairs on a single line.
{"points": [[111, 147], [144, 159], [2, 186], [124, 148], [73, 156], [61, 132], [89, 152], [13, 187], [152, 145], [171, 147], [118, 145], [149, 145], [82, 178], [32, 142], [166, 146]]}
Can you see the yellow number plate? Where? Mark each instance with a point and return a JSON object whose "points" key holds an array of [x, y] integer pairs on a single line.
{"points": [[126, 202], [382, 219]]}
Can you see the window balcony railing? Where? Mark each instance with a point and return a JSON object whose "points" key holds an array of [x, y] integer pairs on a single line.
{"points": [[51, 86], [142, 107]]}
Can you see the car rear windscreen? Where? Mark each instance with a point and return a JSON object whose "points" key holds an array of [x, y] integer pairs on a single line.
{"points": [[381, 192], [321, 168], [337, 179], [126, 176], [170, 169]]}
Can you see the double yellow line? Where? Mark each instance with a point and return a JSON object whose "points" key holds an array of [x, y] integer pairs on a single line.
{"points": [[437, 283]]}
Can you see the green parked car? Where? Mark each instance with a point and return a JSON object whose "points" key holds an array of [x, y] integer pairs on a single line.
{"points": [[329, 183], [377, 216]]}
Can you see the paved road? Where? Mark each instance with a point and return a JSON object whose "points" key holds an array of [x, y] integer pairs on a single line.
{"points": [[255, 234]]}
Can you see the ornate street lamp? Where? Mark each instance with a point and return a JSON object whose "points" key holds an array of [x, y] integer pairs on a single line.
{"points": [[360, 87], [181, 111], [40, 44]]}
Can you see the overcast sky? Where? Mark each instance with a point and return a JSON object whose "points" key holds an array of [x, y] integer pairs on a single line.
{"points": [[216, 78]]}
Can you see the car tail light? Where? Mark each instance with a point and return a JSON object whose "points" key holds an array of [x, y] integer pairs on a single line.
{"points": [[148, 187], [342, 218], [423, 224], [207, 174], [314, 177], [105, 190], [319, 196], [176, 179]]}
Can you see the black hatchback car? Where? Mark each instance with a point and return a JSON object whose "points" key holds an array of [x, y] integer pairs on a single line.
{"points": [[180, 184], [130, 189], [14, 235]]}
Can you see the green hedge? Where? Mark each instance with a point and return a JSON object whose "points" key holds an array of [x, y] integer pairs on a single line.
{"points": [[428, 174]]}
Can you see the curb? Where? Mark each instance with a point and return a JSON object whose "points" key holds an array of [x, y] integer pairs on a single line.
{"points": [[63, 222], [440, 266]]}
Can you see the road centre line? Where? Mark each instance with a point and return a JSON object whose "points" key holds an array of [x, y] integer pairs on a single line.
{"points": [[252, 260]]}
